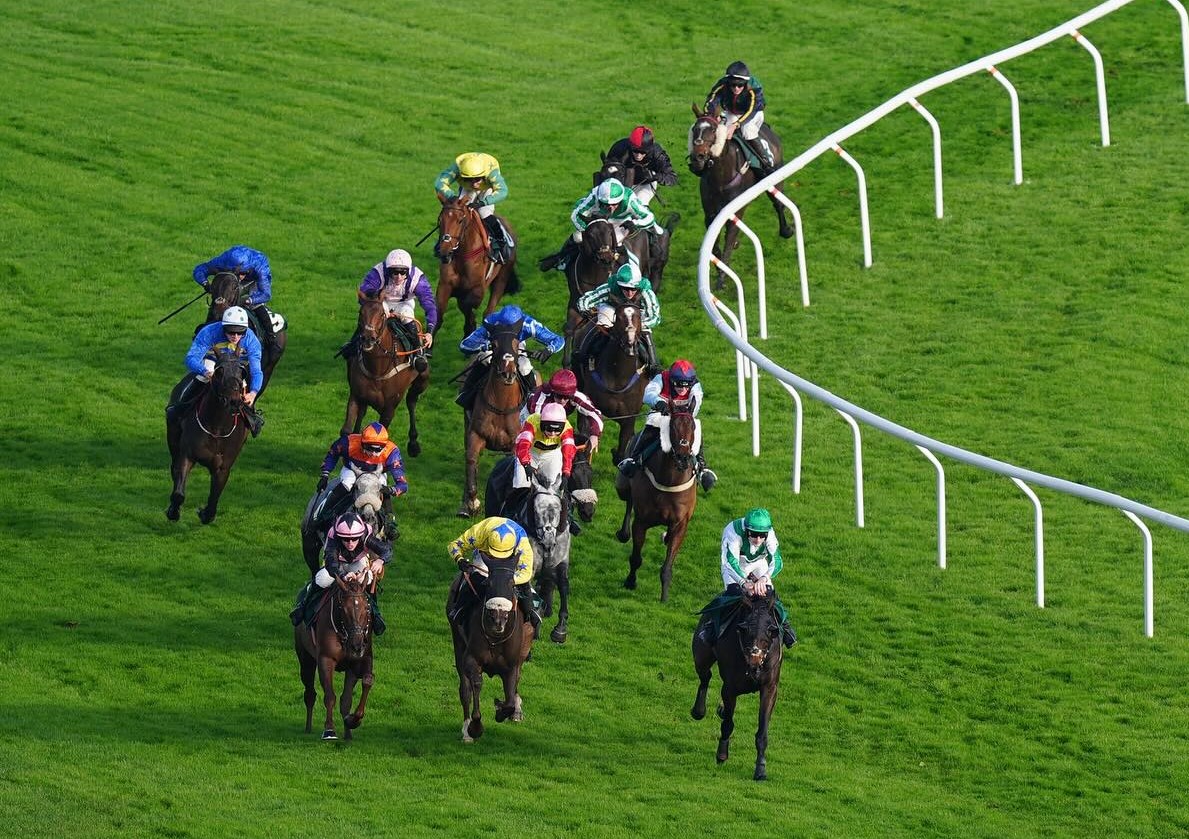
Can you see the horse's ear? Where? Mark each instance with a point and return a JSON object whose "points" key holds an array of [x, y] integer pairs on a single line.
{"points": [[445, 201], [602, 157], [697, 113]]}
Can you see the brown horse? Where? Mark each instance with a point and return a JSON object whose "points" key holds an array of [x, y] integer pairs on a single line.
{"points": [[749, 655], [380, 376], [724, 172], [663, 492], [616, 383], [468, 271], [491, 637], [226, 290], [598, 256], [494, 421], [211, 435], [340, 639]]}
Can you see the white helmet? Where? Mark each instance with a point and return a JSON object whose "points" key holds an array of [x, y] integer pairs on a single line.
{"points": [[235, 316], [398, 258], [611, 191]]}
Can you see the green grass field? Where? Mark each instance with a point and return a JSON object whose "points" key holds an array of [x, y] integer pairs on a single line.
{"points": [[150, 683]]}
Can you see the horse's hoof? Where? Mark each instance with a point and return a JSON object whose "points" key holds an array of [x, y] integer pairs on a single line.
{"points": [[466, 734], [622, 536], [352, 721], [502, 712], [785, 233], [463, 512], [558, 635], [761, 774], [698, 713], [630, 583], [414, 448], [720, 758], [173, 514], [204, 517], [329, 734]]}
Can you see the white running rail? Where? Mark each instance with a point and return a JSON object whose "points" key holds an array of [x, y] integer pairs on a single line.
{"points": [[750, 360]]}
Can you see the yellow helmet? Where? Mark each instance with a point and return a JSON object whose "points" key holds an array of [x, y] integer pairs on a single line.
{"points": [[475, 165], [502, 540]]}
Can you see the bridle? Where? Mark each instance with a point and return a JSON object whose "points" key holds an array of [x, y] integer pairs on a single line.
{"points": [[234, 403], [360, 630], [756, 658]]}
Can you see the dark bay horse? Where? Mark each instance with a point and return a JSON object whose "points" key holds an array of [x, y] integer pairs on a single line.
{"points": [[724, 172], [227, 290], [467, 271], [663, 492], [749, 655], [616, 383], [340, 639], [380, 376], [544, 513], [494, 421], [491, 637], [210, 434], [598, 256]]}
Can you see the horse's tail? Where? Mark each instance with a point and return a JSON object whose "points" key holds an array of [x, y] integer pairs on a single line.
{"points": [[512, 284]]}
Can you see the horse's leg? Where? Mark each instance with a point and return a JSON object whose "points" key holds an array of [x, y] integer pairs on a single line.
{"points": [[622, 533], [350, 677], [355, 411], [180, 469], [368, 678], [308, 667], [442, 296], [639, 531], [627, 429], [673, 539], [470, 493], [767, 703], [786, 231], [562, 574], [414, 393], [726, 711], [545, 589], [470, 686], [510, 708], [219, 477], [326, 675], [703, 662]]}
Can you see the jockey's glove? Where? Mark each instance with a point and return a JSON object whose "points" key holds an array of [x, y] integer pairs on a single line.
{"points": [[323, 481], [662, 408], [541, 355]]}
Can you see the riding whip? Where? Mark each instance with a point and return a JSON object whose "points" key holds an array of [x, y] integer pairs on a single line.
{"points": [[432, 231], [201, 295]]}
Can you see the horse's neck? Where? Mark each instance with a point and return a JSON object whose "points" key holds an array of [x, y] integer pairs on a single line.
{"points": [[501, 394], [618, 362], [214, 414]]}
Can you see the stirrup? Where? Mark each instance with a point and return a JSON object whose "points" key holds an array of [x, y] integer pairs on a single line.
{"points": [[420, 364], [708, 479], [628, 467]]}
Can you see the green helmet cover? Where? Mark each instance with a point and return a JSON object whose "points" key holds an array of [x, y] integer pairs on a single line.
{"points": [[758, 520]]}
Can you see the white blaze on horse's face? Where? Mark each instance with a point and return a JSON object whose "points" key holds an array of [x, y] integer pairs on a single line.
{"points": [[627, 313]]}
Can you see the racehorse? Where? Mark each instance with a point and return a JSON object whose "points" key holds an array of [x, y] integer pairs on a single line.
{"points": [[652, 261], [724, 172], [662, 492], [226, 290], [211, 435], [367, 498], [340, 639], [749, 655], [490, 637], [544, 513], [598, 256], [615, 384], [494, 421], [467, 270], [380, 375]]}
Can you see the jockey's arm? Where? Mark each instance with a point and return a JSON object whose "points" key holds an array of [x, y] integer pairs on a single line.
{"points": [[499, 188], [568, 450], [544, 335], [424, 295], [445, 185], [524, 443], [337, 449], [381, 549], [475, 342], [400, 484], [652, 392]]}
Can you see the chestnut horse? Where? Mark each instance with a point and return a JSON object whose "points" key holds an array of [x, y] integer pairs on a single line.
{"points": [[616, 383], [211, 434], [380, 376], [725, 173], [749, 655], [491, 637], [467, 271], [494, 421], [226, 290], [663, 492], [340, 639]]}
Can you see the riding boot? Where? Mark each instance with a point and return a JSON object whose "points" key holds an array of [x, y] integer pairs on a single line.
{"points": [[706, 475], [378, 623], [300, 605], [268, 338], [561, 258], [764, 151], [470, 385], [254, 419], [186, 398], [575, 525], [787, 634], [647, 354], [351, 348], [526, 597], [528, 382], [497, 239]]}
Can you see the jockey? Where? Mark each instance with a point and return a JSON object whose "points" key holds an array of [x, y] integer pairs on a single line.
{"points": [[610, 200], [740, 99], [678, 387], [477, 347], [475, 178], [228, 337], [562, 389], [368, 451], [497, 537], [639, 151], [626, 286], [399, 284], [750, 562], [351, 552], [541, 435], [255, 275]]}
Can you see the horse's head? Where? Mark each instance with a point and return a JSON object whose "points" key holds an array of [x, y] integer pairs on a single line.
{"points": [[353, 617], [759, 631], [683, 438], [453, 223], [598, 242], [499, 609], [626, 175], [707, 139], [550, 514], [627, 327], [505, 349], [581, 486], [225, 289], [369, 495], [372, 331], [227, 383]]}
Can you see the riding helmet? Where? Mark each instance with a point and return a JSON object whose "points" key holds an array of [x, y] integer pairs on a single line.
{"points": [[564, 383], [350, 526], [757, 521], [738, 70], [235, 319], [628, 276], [399, 258], [611, 191], [474, 165], [505, 316], [681, 372], [503, 539], [553, 419], [641, 138], [374, 438]]}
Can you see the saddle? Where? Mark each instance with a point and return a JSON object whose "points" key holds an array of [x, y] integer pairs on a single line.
{"points": [[407, 334], [749, 154]]}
